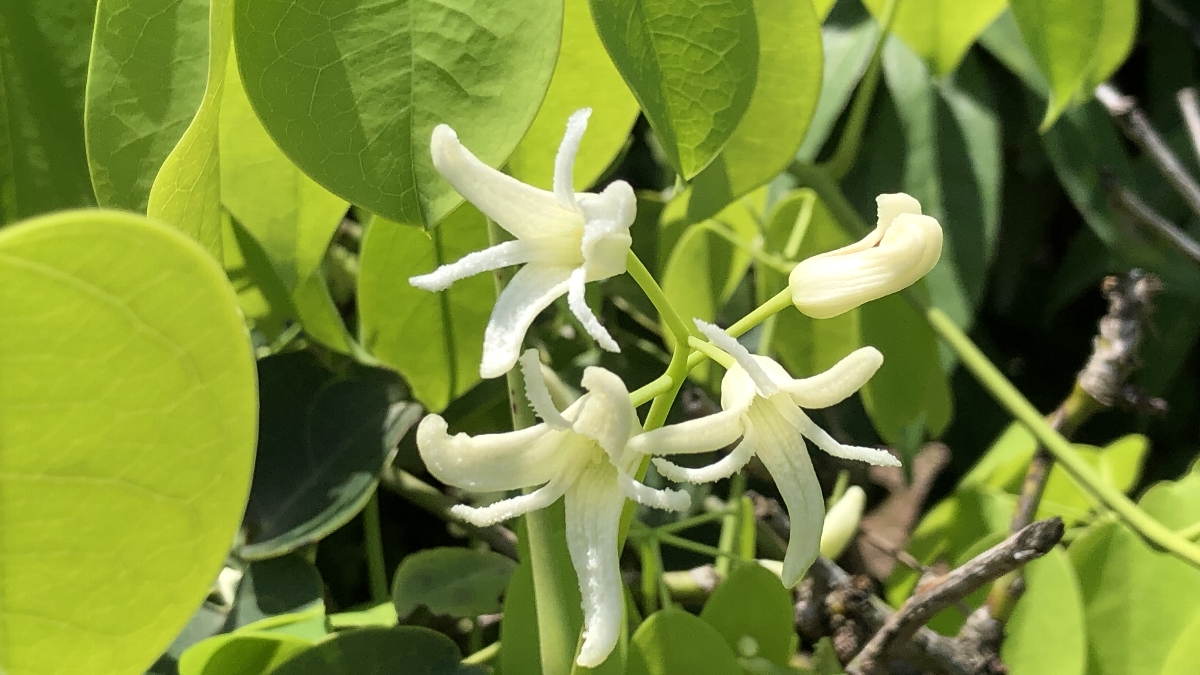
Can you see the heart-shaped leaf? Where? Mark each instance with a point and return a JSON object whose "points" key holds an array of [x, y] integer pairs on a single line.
{"points": [[351, 89], [380, 651], [459, 582], [128, 413]]}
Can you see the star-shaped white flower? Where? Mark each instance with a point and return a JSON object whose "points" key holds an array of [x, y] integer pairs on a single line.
{"points": [[761, 404], [581, 454], [563, 240], [902, 248]]}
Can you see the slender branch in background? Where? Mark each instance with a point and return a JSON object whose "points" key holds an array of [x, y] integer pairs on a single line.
{"points": [[1179, 18], [1126, 201], [1189, 107], [1030, 543], [431, 500], [1136, 126]]}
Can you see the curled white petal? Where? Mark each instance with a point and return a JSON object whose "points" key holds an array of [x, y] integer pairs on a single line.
{"points": [[902, 249], [564, 161], [593, 514], [532, 289], [839, 382], [488, 462], [703, 434], [605, 414], [765, 385], [506, 509], [841, 523], [537, 392], [492, 258], [722, 468], [579, 307], [667, 500], [521, 209], [606, 239]]}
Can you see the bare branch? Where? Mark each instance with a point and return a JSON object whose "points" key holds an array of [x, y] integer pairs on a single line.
{"points": [[1147, 217], [1179, 18], [1189, 106], [1137, 128], [430, 499], [1028, 544]]}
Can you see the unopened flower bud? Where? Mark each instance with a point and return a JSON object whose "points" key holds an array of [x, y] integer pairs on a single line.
{"points": [[841, 522], [904, 246]]}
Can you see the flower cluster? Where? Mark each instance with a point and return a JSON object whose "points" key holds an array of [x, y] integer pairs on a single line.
{"points": [[589, 453]]}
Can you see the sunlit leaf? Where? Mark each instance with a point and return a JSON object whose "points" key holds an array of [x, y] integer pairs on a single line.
{"points": [[186, 192], [940, 31], [128, 414], [435, 340], [1045, 634], [1184, 658], [146, 79], [240, 654], [43, 58], [785, 97], [352, 89], [692, 66], [584, 77]]}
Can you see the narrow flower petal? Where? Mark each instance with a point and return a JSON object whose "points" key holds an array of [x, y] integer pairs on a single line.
{"points": [[783, 452], [537, 392], [722, 468], [605, 414], [839, 382], [703, 434], [765, 385], [793, 472], [579, 307], [507, 509], [824, 441], [593, 513], [531, 290], [489, 462], [667, 500], [523, 210], [564, 161], [493, 258]]}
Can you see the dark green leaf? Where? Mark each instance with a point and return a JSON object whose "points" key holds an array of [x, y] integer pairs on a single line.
{"points": [[458, 582], [673, 642], [380, 651], [274, 587], [320, 450], [847, 40], [692, 66], [351, 89]]}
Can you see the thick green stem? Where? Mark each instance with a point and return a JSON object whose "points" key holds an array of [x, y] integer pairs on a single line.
{"points": [[1064, 453], [373, 541]]}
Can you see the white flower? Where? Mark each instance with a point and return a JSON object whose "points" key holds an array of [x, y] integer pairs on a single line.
{"points": [[841, 523], [761, 404], [902, 248], [563, 239], [580, 454]]}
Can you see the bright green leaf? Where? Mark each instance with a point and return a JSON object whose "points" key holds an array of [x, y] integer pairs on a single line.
{"points": [[1003, 464], [1062, 36], [435, 340], [1045, 634], [379, 651], [1117, 30], [1184, 658], [458, 582], [265, 302], [910, 387], [240, 654], [1138, 601], [584, 78], [128, 413], [383, 614], [785, 97], [673, 642], [752, 602], [823, 8], [186, 192], [43, 62], [940, 31], [146, 79], [847, 40], [291, 216], [692, 66], [320, 450], [352, 89]]}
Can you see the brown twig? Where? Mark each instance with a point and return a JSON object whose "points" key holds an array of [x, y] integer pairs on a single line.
{"points": [[1143, 214], [430, 499], [1136, 126], [1028, 544]]}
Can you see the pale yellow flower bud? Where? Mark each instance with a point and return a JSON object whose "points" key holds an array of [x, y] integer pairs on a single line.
{"points": [[841, 522], [904, 246]]}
